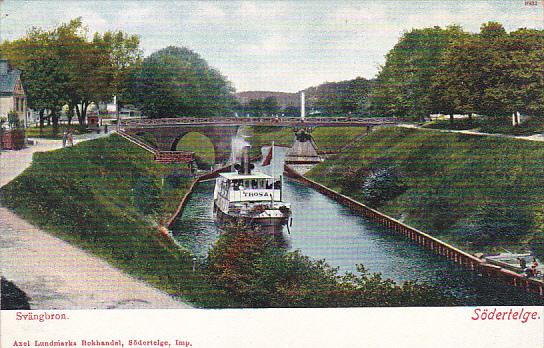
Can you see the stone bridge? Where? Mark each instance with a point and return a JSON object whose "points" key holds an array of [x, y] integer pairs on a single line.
{"points": [[167, 132]]}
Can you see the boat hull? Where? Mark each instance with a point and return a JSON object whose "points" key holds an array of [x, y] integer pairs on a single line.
{"points": [[271, 225]]}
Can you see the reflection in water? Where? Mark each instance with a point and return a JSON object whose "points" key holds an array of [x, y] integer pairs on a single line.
{"points": [[324, 229]]}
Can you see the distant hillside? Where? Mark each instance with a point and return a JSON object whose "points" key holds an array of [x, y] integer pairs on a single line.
{"points": [[329, 98], [340, 98], [284, 99]]}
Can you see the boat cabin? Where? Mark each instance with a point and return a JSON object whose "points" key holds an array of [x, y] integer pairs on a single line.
{"points": [[253, 187]]}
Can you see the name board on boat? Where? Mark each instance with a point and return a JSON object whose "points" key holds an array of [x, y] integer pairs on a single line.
{"points": [[256, 194]]}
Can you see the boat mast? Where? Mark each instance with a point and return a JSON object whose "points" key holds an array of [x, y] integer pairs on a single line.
{"points": [[273, 180]]}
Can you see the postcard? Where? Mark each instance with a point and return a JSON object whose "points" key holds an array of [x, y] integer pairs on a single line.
{"points": [[271, 173]]}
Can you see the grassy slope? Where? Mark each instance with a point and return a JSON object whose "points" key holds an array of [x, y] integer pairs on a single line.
{"points": [[200, 145], [85, 194], [448, 178], [328, 139]]}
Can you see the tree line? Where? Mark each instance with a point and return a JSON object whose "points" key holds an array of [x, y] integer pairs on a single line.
{"points": [[449, 71], [430, 70], [348, 97], [436, 70], [65, 67], [341, 98]]}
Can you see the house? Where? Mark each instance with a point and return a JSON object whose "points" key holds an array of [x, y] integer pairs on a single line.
{"points": [[12, 94]]}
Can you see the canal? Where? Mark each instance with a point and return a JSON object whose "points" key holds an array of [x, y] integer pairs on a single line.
{"points": [[325, 229]]}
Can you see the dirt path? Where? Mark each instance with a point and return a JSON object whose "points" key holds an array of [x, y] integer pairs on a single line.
{"points": [[55, 274], [534, 137]]}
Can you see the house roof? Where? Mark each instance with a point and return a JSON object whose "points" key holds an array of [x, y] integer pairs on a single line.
{"points": [[9, 80]]}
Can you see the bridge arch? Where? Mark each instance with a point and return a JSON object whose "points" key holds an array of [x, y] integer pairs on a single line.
{"points": [[168, 137], [197, 142]]}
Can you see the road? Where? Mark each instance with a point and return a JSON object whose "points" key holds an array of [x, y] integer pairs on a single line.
{"points": [[55, 274]]}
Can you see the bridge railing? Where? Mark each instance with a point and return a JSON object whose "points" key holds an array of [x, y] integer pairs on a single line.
{"points": [[260, 120]]}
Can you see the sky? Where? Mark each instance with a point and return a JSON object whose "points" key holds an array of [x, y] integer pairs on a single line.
{"points": [[277, 46]]}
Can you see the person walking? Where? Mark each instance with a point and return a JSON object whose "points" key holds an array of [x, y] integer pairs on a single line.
{"points": [[64, 138], [70, 138]]}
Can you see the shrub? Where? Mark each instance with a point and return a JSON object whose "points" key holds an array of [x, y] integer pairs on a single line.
{"points": [[257, 272], [13, 119], [381, 186], [495, 223]]}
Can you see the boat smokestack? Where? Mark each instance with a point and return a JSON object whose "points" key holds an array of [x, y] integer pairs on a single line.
{"points": [[245, 164], [302, 106]]}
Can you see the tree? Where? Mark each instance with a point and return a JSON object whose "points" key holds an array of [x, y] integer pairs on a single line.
{"points": [[525, 60], [457, 79], [404, 85], [43, 77], [87, 65], [492, 73], [255, 107], [341, 98], [176, 81], [61, 66], [270, 106], [124, 54]]}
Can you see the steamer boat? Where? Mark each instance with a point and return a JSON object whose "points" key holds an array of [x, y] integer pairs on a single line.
{"points": [[251, 197]]}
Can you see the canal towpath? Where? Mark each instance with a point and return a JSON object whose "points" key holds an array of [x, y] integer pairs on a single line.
{"points": [[55, 274]]}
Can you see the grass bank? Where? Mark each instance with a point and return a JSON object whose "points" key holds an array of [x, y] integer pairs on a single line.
{"points": [[490, 125], [107, 196], [479, 193], [328, 139], [201, 146]]}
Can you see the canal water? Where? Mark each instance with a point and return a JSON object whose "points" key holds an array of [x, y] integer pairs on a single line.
{"points": [[325, 229]]}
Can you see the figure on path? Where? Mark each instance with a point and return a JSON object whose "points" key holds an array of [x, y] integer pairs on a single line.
{"points": [[70, 138]]}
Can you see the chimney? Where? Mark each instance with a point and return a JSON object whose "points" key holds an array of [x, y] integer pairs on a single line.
{"points": [[302, 106], [4, 66]]}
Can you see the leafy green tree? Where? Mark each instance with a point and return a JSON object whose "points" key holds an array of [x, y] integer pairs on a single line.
{"points": [[270, 106], [525, 66], [456, 82], [124, 54], [176, 82], [341, 98], [492, 73], [255, 107], [87, 65], [404, 85], [43, 78], [292, 111], [61, 66]]}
